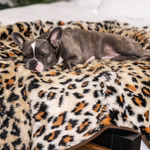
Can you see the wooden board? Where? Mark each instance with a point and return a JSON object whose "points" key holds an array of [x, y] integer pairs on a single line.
{"points": [[92, 146]]}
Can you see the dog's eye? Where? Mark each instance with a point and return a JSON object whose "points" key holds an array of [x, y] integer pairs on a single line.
{"points": [[43, 55]]}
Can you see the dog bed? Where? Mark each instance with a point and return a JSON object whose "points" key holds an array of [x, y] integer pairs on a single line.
{"points": [[65, 110]]}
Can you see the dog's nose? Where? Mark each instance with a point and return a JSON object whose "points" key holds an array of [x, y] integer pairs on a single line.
{"points": [[33, 64]]}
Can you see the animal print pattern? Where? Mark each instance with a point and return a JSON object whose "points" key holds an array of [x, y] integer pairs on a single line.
{"points": [[59, 110]]}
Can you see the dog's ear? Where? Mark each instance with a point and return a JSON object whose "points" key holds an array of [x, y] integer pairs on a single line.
{"points": [[18, 39], [55, 36]]}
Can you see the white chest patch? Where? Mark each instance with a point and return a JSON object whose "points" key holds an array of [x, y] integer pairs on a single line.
{"points": [[33, 48], [60, 60]]}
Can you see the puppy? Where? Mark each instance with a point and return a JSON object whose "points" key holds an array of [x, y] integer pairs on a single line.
{"points": [[75, 46]]}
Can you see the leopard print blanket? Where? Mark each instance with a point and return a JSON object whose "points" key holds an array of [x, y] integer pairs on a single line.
{"points": [[60, 110]]}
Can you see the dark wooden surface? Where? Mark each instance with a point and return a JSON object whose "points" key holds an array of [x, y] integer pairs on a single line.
{"points": [[92, 146]]}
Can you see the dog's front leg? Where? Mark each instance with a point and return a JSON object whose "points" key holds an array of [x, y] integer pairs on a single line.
{"points": [[69, 63]]}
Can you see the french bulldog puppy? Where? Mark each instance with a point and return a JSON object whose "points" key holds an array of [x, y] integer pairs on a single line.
{"points": [[75, 46]]}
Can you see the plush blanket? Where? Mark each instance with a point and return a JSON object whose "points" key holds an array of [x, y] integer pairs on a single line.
{"points": [[59, 110]]}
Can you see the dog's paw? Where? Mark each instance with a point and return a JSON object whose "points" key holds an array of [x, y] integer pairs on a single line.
{"points": [[67, 67], [68, 70]]}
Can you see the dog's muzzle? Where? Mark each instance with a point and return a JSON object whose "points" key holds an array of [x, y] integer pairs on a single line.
{"points": [[35, 65]]}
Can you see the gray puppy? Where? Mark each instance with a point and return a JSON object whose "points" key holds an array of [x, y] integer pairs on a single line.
{"points": [[75, 46]]}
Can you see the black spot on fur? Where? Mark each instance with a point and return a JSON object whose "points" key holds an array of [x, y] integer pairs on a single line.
{"points": [[24, 94], [114, 114], [39, 146], [3, 36], [9, 29], [3, 134], [1, 91], [27, 115], [5, 72], [13, 97], [130, 110], [5, 124], [39, 131], [144, 132], [72, 86], [16, 142], [80, 80], [99, 24], [146, 83], [139, 77], [124, 116], [2, 107], [110, 91], [51, 147], [24, 147], [86, 91], [36, 105], [73, 123], [55, 121], [134, 80], [97, 106], [78, 95], [20, 26], [10, 82], [41, 94], [85, 84], [50, 119], [138, 100], [20, 82], [140, 118], [88, 114], [120, 100], [146, 91], [2, 65], [96, 94], [61, 100], [106, 27], [33, 85], [41, 112], [83, 126], [106, 74], [89, 28], [6, 147], [51, 95], [63, 141], [79, 107], [41, 31], [15, 130], [10, 112], [66, 82], [49, 23]]}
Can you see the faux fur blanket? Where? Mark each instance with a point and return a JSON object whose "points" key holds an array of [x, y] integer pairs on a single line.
{"points": [[58, 110]]}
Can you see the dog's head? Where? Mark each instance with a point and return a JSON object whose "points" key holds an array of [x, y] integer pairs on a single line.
{"points": [[39, 54]]}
